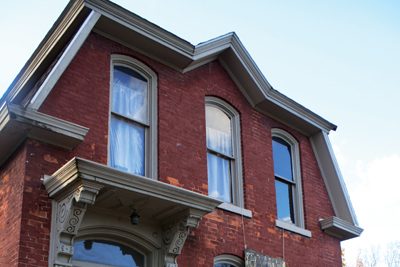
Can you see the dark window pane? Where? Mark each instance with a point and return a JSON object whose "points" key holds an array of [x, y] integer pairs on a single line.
{"points": [[223, 265], [129, 94], [219, 177], [107, 253], [219, 131], [284, 201], [127, 146], [282, 158]]}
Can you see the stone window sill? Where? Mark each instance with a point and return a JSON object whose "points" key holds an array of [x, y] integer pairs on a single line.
{"points": [[293, 228], [235, 209]]}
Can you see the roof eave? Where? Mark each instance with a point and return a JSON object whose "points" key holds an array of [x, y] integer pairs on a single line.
{"points": [[171, 50], [48, 49], [17, 124]]}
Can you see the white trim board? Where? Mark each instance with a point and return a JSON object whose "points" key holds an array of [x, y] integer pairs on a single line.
{"points": [[64, 61]]}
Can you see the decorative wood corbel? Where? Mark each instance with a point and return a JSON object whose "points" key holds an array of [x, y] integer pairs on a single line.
{"points": [[69, 214], [175, 234]]}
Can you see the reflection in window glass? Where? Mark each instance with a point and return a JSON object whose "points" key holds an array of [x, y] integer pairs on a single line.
{"points": [[284, 201], [223, 265], [284, 183], [129, 120], [127, 146], [129, 94], [105, 253], [219, 154], [219, 131], [282, 159], [219, 178]]}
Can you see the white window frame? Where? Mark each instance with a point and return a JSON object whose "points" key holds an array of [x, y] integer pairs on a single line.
{"points": [[237, 205], [151, 142], [229, 259], [297, 191]]}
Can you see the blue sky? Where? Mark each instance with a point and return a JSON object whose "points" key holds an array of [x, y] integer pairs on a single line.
{"points": [[339, 58]]}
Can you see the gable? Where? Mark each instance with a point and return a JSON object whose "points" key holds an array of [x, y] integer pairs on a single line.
{"points": [[81, 18]]}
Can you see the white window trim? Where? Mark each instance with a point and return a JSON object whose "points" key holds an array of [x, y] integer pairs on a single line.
{"points": [[151, 142], [299, 226], [292, 228], [237, 205], [235, 209], [229, 259]]}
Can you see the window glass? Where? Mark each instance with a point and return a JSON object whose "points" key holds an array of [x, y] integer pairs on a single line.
{"points": [[282, 159], [219, 177], [284, 201], [127, 146], [219, 153], [105, 253], [129, 94], [129, 120], [219, 131]]}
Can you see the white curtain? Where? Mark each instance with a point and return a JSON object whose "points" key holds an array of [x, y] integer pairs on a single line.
{"points": [[127, 146], [127, 137], [129, 94], [219, 140], [219, 177]]}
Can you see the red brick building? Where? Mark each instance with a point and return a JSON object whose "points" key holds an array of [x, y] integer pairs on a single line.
{"points": [[123, 145]]}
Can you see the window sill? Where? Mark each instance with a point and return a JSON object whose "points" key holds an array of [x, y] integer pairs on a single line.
{"points": [[236, 209], [292, 228]]}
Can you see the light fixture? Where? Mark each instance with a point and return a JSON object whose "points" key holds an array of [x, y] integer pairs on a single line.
{"points": [[135, 218], [88, 244]]}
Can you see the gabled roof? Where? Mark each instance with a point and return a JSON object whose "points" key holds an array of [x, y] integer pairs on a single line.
{"points": [[81, 17]]}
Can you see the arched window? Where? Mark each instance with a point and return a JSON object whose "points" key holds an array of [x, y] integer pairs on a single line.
{"points": [[133, 109], [289, 198], [102, 253], [226, 260], [223, 152]]}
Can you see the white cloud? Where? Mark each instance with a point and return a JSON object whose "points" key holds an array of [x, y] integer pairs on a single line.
{"points": [[376, 200]]}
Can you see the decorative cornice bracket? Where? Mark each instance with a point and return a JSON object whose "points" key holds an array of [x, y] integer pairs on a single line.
{"points": [[69, 214], [176, 232]]}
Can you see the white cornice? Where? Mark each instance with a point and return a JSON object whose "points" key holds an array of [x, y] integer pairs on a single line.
{"points": [[339, 228], [17, 123], [50, 123], [53, 37], [215, 45], [300, 111], [80, 170], [63, 62], [187, 57], [333, 179], [143, 26]]}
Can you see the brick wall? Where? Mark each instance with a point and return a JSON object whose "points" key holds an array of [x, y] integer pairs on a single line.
{"points": [[11, 194], [82, 96]]}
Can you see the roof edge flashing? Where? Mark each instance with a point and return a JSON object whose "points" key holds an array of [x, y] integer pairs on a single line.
{"points": [[333, 178], [56, 32], [141, 25]]}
